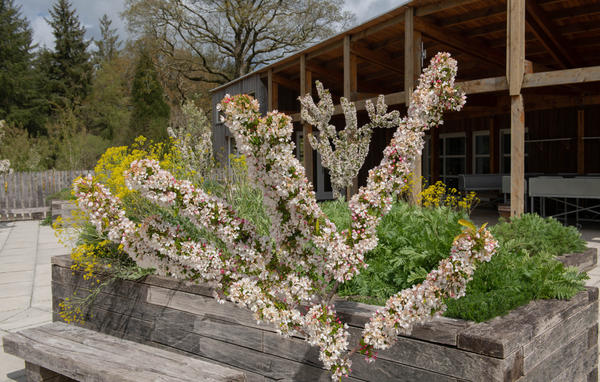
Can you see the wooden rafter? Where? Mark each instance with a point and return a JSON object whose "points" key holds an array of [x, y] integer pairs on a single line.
{"points": [[475, 15], [545, 32], [441, 6], [459, 42], [394, 21], [376, 57], [285, 82]]}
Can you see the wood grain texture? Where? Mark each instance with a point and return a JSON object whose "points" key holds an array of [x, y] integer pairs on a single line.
{"points": [[87, 355], [165, 313]]}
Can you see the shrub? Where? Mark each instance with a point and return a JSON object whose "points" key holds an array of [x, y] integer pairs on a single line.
{"points": [[115, 161], [538, 235], [513, 278], [412, 240]]}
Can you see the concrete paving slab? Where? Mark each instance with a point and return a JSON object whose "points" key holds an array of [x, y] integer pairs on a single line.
{"points": [[15, 267], [42, 296], [18, 252], [12, 277], [15, 289], [28, 258], [26, 319], [12, 303]]}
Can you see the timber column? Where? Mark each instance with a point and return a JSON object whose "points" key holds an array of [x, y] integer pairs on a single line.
{"points": [[306, 87], [515, 68], [413, 43], [350, 89]]}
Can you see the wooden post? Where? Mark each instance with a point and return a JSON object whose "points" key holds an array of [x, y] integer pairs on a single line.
{"points": [[272, 91], [517, 156], [515, 68], [580, 142], [350, 89], [412, 69], [306, 87]]}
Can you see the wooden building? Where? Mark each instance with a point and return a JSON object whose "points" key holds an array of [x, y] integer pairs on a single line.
{"points": [[530, 68]]}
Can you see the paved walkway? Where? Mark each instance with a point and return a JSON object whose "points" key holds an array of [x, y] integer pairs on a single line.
{"points": [[25, 293], [25, 278]]}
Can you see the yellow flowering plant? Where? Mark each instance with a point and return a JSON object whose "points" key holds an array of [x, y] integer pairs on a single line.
{"points": [[438, 195], [115, 161]]}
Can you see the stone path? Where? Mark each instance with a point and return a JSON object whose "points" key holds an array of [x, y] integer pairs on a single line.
{"points": [[25, 293], [25, 282]]}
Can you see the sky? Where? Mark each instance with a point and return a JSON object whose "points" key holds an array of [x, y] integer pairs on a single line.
{"points": [[90, 11]]}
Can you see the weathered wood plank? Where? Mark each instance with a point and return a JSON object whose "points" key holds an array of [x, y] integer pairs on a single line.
{"points": [[564, 332], [35, 373], [502, 336], [87, 355], [517, 155], [515, 45], [242, 357], [584, 261], [579, 370], [558, 361], [562, 77], [250, 376]]}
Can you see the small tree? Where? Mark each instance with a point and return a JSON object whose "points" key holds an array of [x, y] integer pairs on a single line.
{"points": [[70, 69], [150, 114], [230, 38], [193, 137], [109, 44], [343, 152]]}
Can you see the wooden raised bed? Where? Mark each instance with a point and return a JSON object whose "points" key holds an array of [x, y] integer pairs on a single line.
{"points": [[543, 341]]}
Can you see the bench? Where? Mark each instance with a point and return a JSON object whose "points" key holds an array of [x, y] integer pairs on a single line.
{"points": [[60, 352]]}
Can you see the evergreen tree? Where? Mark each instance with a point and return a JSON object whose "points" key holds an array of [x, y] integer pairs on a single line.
{"points": [[70, 69], [20, 103], [109, 44], [150, 114]]}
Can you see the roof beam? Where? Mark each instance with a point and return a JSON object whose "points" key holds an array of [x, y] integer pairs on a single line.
{"points": [[459, 42], [379, 58], [543, 29], [473, 15], [394, 21], [562, 77], [281, 80], [441, 6]]}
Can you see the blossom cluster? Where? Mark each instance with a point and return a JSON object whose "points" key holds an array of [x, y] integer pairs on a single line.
{"points": [[448, 280], [4, 163], [343, 153], [289, 278]]}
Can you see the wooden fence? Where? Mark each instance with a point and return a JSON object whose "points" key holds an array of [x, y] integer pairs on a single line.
{"points": [[23, 194]]}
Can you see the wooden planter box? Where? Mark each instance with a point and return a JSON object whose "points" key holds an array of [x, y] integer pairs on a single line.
{"points": [[543, 341]]}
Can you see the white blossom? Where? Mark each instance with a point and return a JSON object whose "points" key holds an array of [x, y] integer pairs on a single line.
{"points": [[291, 271]]}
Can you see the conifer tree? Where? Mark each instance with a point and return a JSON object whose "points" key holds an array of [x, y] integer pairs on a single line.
{"points": [[70, 69], [109, 44], [18, 94], [150, 114]]}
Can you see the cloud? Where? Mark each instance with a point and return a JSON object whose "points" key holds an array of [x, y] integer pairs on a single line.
{"points": [[88, 11], [367, 9], [42, 33]]}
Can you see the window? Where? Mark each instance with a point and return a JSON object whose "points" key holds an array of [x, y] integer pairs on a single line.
{"points": [[426, 159], [481, 152], [453, 158], [300, 146], [505, 150]]}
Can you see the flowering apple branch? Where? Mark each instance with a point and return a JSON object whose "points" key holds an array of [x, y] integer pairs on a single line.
{"points": [[286, 278]]}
